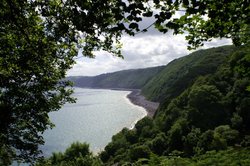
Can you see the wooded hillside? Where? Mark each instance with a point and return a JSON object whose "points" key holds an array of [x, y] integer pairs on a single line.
{"points": [[203, 117], [130, 79]]}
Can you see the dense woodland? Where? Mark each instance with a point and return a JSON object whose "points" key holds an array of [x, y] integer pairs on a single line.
{"points": [[39, 43], [203, 118]]}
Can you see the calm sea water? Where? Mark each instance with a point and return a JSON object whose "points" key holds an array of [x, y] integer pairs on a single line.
{"points": [[95, 117]]}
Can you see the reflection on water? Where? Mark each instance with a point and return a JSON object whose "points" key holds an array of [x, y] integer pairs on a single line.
{"points": [[95, 118]]}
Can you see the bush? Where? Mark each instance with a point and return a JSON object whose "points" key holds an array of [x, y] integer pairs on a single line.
{"points": [[76, 150], [138, 152], [77, 154]]}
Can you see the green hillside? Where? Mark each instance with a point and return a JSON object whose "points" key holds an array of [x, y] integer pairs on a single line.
{"points": [[131, 79], [182, 72], [210, 112], [203, 118]]}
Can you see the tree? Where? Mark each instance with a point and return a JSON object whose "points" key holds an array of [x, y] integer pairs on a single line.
{"points": [[76, 154], [239, 66], [200, 20], [145, 122], [225, 132], [174, 135], [119, 144], [39, 40], [141, 151], [206, 108], [191, 140], [32, 63], [76, 150], [204, 20], [159, 144]]}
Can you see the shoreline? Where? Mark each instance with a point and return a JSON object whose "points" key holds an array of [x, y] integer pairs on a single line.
{"points": [[136, 98]]}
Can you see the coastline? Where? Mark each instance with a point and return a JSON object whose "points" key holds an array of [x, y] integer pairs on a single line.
{"points": [[136, 98]]}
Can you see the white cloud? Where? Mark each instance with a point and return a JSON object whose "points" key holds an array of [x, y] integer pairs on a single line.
{"points": [[144, 50]]}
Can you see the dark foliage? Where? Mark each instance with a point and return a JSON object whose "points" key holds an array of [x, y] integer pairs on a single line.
{"points": [[211, 113]]}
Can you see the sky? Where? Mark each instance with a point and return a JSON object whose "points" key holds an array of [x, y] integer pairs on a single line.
{"points": [[140, 51]]}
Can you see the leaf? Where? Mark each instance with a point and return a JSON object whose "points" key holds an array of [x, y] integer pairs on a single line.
{"points": [[185, 2], [156, 1], [148, 14], [133, 25]]}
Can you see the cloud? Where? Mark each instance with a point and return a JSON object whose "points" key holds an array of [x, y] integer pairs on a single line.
{"points": [[141, 51]]}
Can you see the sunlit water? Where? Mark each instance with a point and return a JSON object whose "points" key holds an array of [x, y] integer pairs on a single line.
{"points": [[95, 117]]}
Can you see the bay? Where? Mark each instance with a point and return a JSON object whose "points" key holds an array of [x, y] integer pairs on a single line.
{"points": [[97, 115]]}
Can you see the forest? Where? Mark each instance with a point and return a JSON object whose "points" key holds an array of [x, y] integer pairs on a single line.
{"points": [[203, 118], [40, 41]]}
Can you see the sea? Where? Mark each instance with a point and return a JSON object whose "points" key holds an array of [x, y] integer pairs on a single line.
{"points": [[97, 115]]}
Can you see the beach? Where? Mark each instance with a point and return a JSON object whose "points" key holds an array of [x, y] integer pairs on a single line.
{"points": [[136, 98]]}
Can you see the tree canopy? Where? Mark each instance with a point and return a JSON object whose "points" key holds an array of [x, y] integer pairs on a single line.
{"points": [[39, 40], [210, 112]]}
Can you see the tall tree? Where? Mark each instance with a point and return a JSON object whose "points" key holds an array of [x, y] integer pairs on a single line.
{"points": [[38, 43], [40, 38]]}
